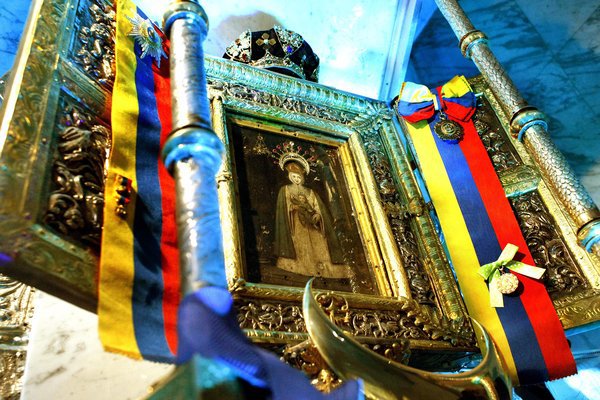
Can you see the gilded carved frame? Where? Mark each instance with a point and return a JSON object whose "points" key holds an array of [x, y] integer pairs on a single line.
{"points": [[407, 248], [52, 87], [58, 84]]}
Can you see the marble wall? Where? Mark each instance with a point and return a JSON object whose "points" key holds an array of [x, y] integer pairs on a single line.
{"points": [[66, 361], [13, 15], [354, 56], [551, 50]]}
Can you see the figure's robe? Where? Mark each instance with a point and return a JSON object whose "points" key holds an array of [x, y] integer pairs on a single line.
{"points": [[305, 249]]}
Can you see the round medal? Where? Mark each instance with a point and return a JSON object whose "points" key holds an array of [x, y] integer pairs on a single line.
{"points": [[507, 283], [448, 130]]}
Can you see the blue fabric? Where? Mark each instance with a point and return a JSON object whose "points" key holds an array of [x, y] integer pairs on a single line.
{"points": [[4, 259], [147, 229], [468, 100], [406, 108], [226, 343]]}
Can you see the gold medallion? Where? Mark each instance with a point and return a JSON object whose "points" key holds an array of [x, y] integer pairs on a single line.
{"points": [[448, 130]]}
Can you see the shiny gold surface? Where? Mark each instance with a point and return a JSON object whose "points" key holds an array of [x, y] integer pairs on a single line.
{"points": [[526, 116], [48, 81], [16, 310], [385, 379], [519, 180]]}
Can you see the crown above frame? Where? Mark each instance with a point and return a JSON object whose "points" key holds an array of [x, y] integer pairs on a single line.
{"points": [[276, 49]]}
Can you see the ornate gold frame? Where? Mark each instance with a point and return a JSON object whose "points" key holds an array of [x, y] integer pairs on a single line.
{"points": [[47, 81], [405, 245], [349, 150], [53, 79]]}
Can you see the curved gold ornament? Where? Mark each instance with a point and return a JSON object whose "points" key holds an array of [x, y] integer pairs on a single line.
{"points": [[385, 379]]}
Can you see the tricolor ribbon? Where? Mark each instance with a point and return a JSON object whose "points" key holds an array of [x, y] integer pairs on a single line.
{"points": [[477, 222], [455, 99], [138, 292], [492, 272]]}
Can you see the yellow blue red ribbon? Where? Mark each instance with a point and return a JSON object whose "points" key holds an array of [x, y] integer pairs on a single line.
{"points": [[478, 222], [139, 262]]}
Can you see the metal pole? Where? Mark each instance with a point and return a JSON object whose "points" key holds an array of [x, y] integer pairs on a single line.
{"points": [[529, 125], [193, 152]]}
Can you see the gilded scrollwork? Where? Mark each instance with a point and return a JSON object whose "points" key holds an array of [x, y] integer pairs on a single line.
{"points": [[267, 81], [77, 199], [547, 246], [12, 366], [94, 47], [271, 317], [495, 140], [289, 104], [398, 212], [408, 320], [306, 358]]}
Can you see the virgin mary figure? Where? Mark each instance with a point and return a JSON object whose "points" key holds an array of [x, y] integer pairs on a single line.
{"points": [[305, 242]]}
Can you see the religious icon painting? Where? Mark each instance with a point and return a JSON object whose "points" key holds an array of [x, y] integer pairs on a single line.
{"points": [[297, 217]]}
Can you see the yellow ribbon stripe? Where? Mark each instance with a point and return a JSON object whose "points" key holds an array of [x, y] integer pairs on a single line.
{"points": [[116, 259], [458, 240]]}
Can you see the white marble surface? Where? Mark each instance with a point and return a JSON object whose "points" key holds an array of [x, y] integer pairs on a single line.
{"points": [[13, 15], [66, 361]]}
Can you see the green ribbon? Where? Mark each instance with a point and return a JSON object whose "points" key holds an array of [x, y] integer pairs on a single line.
{"points": [[491, 272]]}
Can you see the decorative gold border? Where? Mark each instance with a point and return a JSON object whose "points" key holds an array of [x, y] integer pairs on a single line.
{"points": [[368, 232], [43, 73]]}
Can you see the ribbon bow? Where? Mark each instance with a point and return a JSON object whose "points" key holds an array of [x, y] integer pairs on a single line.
{"points": [[493, 273], [455, 99]]}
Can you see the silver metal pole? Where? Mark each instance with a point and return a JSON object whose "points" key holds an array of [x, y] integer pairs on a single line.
{"points": [[529, 125], [193, 152]]}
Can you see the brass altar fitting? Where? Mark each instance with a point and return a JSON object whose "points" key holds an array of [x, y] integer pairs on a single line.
{"points": [[589, 236], [183, 9], [469, 40], [526, 118]]}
